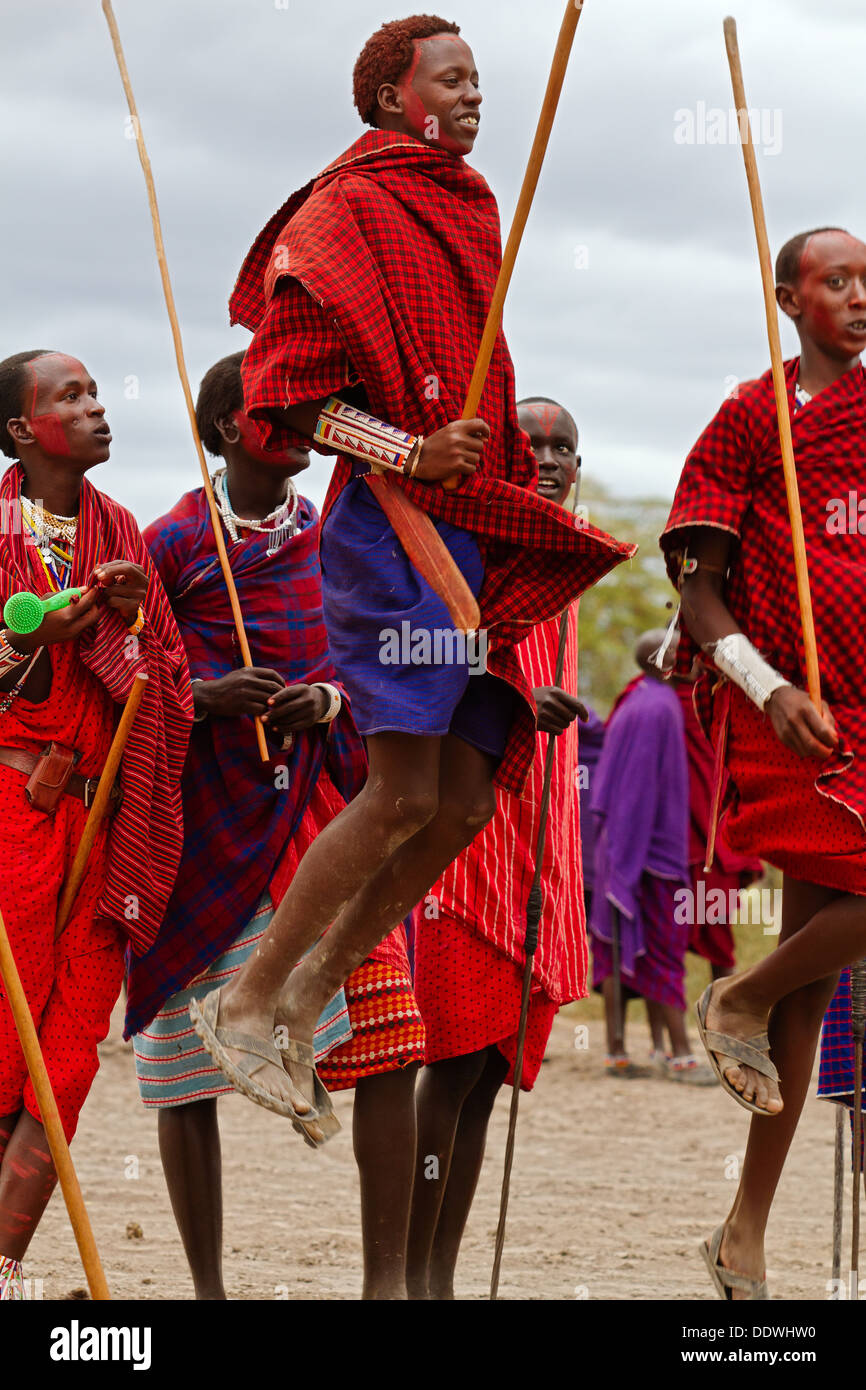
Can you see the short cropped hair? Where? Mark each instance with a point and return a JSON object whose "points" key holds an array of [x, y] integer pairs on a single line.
{"points": [[388, 55], [221, 393], [791, 254], [548, 400], [13, 383]]}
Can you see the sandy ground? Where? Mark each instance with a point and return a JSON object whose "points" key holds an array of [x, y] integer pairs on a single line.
{"points": [[615, 1183]]}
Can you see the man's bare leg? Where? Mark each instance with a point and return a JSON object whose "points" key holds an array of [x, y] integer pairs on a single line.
{"points": [[467, 1156], [189, 1146], [826, 931], [384, 1140], [27, 1180], [442, 1092], [424, 801], [615, 1036], [795, 1026]]}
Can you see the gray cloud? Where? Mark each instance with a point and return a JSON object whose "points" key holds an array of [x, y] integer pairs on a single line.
{"points": [[241, 101]]}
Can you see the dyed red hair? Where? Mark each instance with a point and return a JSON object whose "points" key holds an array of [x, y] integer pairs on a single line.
{"points": [[388, 54]]}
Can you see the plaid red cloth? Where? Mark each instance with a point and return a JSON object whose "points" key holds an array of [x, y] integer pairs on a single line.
{"points": [[378, 275], [146, 834], [238, 815], [733, 481]]}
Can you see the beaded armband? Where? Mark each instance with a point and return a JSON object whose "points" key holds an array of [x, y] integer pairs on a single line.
{"points": [[9, 657], [348, 430]]}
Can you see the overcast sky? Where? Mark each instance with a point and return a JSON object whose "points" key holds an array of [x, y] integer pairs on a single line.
{"points": [[636, 299]]}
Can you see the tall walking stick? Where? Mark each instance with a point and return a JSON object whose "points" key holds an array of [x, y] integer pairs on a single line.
{"points": [[99, 807], [858, 1025], [181, 363], [779, 384], [561, 55], [530, 942], [51, 1122], [838, 1193]]}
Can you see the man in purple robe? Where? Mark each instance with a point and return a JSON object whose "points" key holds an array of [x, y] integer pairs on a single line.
{"points": [[640, 803]]}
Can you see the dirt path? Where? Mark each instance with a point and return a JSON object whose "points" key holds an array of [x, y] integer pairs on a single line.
{"points": [[615, 1183]]}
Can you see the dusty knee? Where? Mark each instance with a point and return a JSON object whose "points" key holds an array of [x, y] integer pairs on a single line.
{"points": [[466, 816], [402, 813]]}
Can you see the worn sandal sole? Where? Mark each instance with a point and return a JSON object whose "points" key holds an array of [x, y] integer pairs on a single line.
{"points": [[726, 1280], [204, 1014], [325, 1117], [700, 1013]]}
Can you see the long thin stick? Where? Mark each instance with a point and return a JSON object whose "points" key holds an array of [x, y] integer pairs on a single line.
{"points": [[100, 802], [530, 942], [779, 384], [558, 69], [181, 363], [838, 1192], [858, 1026], [51, 1122]]}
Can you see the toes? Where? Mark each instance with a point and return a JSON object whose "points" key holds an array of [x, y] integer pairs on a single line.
{"points": [[735, 1075]]}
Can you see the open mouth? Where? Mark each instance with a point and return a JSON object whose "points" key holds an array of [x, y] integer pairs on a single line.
{"points": [[469, 122], [103, 432], [549, 484], [858, 325]]}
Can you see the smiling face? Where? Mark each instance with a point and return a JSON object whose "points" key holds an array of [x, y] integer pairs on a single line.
{"points": [[61, 416], [437, 98], [828, 303], [553, 436]]}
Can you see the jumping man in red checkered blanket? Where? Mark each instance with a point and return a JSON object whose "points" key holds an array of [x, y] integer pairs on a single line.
{"points": [[798, 777], [367, 294]]}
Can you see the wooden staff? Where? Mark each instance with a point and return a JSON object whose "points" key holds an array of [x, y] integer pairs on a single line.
{"points": [[521, 213], [838, 1193], [51, 1122], [181, 363], [780, 387], [100, 802], [534, 906], [858, 1026]]}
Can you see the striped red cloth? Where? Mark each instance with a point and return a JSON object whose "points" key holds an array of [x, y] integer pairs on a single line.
{"points": [[733, 481], [487, 886], [377, 276], [146, 834]]}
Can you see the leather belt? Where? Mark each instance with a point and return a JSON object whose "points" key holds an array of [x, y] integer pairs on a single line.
{"points": [[83, 788]]}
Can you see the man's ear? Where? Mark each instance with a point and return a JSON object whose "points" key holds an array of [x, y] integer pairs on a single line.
{"points": [[228, 429], [577, 462], [788, 301], [389, 98], [20, 431]]}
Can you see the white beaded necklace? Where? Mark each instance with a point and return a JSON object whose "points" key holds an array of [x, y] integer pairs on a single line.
{"points": [[281, 523]]}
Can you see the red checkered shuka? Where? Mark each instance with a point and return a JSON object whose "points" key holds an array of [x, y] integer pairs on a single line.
{"points": [[146, 834], [379, 275], [733, 481], [487, 886]]}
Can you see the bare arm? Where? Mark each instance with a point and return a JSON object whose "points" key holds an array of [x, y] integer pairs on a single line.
{"points": [[456, 448]]}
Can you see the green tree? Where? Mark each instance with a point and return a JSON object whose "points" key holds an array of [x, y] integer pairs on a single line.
{"points": [[636, 596]]}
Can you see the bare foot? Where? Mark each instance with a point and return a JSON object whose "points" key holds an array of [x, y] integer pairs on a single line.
{"points": [[237, 1013], [725, 1015], [742, 1255]]}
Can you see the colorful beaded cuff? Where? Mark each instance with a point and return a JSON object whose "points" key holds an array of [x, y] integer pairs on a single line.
{"points": [[348, 430]]}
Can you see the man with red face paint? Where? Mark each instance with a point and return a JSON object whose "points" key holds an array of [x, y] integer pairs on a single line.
{"points": [[469, 931], [367, 294], [246, 827], [797, 775], [60, 692]]}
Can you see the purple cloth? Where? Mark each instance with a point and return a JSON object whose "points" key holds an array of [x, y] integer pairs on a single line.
{"points": [[590, 742], [659, 972], [368, 587], [641, 801]]}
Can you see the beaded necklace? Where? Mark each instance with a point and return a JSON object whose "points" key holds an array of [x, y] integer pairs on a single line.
{"points": [[281, 523], [48, 530]]}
